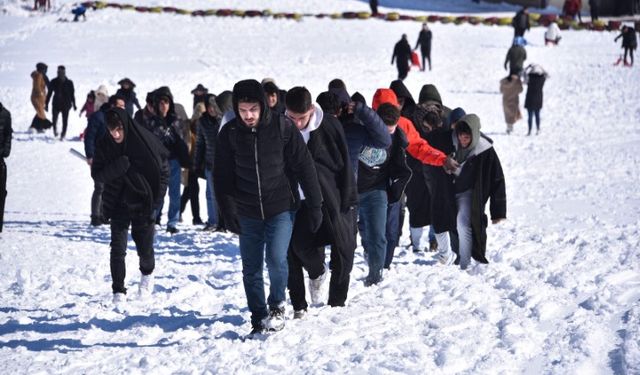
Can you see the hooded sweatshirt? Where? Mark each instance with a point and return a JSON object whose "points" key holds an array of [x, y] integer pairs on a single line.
{"points": [[478, 145], [418, 147]]}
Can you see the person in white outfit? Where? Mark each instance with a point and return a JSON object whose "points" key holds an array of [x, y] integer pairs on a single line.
{"points": [[552, 35]]}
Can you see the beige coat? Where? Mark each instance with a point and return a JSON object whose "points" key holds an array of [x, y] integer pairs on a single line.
{"points": [[511, 99], [39, 94]]}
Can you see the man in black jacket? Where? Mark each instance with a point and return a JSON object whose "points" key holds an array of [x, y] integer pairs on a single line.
{"points": [[132, 164], [520, 22], [327, 144], [63, 99], [424, 41], [260, 157], [5, 150], [402, 57]]}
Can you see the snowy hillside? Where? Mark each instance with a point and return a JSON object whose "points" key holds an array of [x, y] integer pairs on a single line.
{"points": [[560, 296]]}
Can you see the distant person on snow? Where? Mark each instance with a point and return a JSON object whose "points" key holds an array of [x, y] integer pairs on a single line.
{"points": [[126, 91], [535, 78], [79, 11], [63, 99], [39, 98], [552, 35], [88, 107], [132, 164], [511, 87], [402, 57], [629, 43], [594, 9], [520, 22], [424, 41], [199, 94], [516, 56], [478, 178], [571, 9], [5, 149], [374, 6]]}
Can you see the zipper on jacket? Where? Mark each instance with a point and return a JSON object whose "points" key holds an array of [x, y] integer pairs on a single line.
{"points": [[255, 154]]}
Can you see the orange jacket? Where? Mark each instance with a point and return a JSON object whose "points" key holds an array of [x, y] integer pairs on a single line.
{"points": [[418, 147]]}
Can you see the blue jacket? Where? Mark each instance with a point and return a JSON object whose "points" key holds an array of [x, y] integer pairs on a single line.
{"points": [[96, 129]]}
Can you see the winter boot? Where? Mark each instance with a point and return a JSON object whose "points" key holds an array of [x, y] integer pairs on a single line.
{"points": [[315, 286], [146, 285], [275, 320]]}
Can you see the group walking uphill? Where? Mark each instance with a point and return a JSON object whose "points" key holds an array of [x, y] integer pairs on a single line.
{"points": [[291, 177]]}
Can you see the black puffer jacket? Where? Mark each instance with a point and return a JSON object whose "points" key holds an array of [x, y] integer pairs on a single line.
{"points": [[5, 132], [63, 93], [254, 166], [135, 172], [207, 134]]}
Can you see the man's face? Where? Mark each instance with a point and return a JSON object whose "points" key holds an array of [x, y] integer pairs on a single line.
{"points": [[300, 119], [150, 107], [464, 139], [163, 107], [211, 111], [120, 103], [272, 99], [117, 134], [126, 86], [392, 128], [249, 113]]}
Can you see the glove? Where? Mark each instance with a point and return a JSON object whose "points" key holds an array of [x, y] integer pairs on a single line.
{"points": [[315, 219]]}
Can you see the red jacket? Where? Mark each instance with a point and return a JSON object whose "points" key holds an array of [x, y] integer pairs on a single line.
{"points": [[418, 147]]}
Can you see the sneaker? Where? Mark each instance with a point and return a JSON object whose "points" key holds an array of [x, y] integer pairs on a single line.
{"points": [[256, 331], [369, 281], [275, 320], [315, 286], [299, 314], [446, 258], [416, 249], [197, 221], [210, 228], [172, 230], [146, 285], [119, 298], [96, 221]]}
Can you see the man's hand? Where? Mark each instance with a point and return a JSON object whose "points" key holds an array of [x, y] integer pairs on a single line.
{"points": [[450, 165], [75, 108]]}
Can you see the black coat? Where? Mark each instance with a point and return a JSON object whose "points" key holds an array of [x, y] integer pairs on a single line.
{"points": [[483, 172], [96, 129], [5, 132], [401, 91], [255, 168], [167, 131], [424, 40], [135, 172], [533, 100], [402, 55], [130, 99], [63, 94], [328, 148], [520, 21], [207, 135]]}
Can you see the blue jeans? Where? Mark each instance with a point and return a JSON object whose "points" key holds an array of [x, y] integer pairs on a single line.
{"points": [[533, 113], [174, 192], [393, 231], [373, 217], [465, 233], [212, 206], [272, 235]]}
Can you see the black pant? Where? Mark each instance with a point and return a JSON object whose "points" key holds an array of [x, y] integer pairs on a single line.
{"points": [[299, 257], [96, 200], [142, 232], [190, 194], [3, 190], [403, 70], [65, 121], [341, 265], [630, 51], [426, 54]]}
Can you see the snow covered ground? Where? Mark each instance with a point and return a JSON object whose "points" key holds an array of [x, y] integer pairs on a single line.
{"points": [[561, 294]]}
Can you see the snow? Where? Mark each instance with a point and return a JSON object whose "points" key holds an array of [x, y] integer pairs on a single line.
{"points": [[561, 294]]}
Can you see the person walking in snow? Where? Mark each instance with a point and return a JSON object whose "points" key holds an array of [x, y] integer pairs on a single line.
{"points": [[516, 56], [132, 164], [199, 94], [424, 41], [259, 158], [6, 132], [327, 145], [126, 91], [39, 97], [191, 190], [88, 107], [536, 77], [63, 99], [629, 43], [520, 22], [478, 179], [511, 87], [402, 57]]}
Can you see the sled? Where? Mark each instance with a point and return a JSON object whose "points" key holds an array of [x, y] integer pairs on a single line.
{"points": [[415, 60], [77, 154], [618, 61]]}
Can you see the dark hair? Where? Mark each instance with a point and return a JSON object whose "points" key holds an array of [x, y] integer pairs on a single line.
{"points": [[61, 67], [329, 103], [91, 94], [337, 83], [357, 97], [389, 114], [114, 98], [463, 128], [270, 88], [298, 100], [113, 120]]}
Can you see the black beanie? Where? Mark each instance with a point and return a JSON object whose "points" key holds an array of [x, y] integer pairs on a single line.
{"points": [[248, 89]]}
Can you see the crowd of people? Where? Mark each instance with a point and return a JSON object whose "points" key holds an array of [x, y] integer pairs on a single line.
{"points": [[291, 177]]}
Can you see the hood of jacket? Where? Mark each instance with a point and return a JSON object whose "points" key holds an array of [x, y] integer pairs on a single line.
{"points": [[314, 122], [429, 93], [252, 90], [478, 143], [384, 96], [164, 91], [401, 91]]}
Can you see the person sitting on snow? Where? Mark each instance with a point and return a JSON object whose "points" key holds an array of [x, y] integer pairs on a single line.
{"points": [[552, 35]]}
